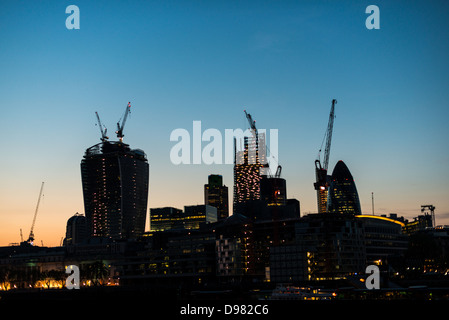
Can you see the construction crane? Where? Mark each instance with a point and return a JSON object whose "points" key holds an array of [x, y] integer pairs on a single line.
{"points": [[321, 185], [31, 236], [252, 123], [260, 154], [429, 207], [278, 172], [104, 137], [119, 131]]}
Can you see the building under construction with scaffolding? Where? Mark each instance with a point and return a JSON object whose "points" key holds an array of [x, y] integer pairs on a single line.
{"points": [[115, 187]]}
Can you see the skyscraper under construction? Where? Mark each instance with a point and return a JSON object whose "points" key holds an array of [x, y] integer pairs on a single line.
{"points": [[115, 188], [248, 163]]}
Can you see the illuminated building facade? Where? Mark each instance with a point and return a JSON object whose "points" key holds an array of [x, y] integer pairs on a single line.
{"points": [[235, 249], [419, 223], [216, 195], [192, 217], [343, 197], [115, 189], [383, 238], [332, 245], [196, 215], [164, 218]]}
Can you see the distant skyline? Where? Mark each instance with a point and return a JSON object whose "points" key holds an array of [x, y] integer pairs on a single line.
{"points": [[184, 61]]}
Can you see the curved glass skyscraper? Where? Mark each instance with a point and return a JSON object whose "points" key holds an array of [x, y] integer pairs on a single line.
{"points": [[342, 195], [115, 189]]}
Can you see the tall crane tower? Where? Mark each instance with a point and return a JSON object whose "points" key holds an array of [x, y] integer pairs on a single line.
{"points": [[104, 137], [120, 127], [321, 185], [31, 236], [252, 124]]}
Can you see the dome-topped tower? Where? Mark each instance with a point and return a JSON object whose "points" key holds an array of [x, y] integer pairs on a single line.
{"points": [[343, 196]]}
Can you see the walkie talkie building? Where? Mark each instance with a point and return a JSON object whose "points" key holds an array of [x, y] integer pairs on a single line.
{"points": [[115, 189]]}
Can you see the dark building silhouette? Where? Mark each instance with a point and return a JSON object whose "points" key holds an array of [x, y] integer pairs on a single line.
{"points": [[419, 223], [342, 195], [115, 189], [332, 245], [216, 195], [274, 191], [76, 231]]}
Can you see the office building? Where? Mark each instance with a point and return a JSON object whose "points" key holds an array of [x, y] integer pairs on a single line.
{"points": [[168, 218], [342, 195], [115, 189], [419, 223], [383, 238], [76, 231], [235, 249], [332, 245], [194, 216], [216, 195], [164, 218]]}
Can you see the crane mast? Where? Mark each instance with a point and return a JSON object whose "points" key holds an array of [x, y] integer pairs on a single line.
{"points": [[252, 123], [278, 172], [330, 128], [119, 131], [260, 149], [103, 132], [321, 185], [31, 236]]}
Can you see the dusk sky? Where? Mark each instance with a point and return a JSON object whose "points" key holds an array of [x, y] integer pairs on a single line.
{"points": [[184, 61]]}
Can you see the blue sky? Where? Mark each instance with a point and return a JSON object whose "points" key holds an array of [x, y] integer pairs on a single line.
{"points": [[180, 61]]}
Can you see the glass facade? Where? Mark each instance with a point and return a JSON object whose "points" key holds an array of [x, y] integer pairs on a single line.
{"points": [[216, 195], [342, 196], [115, 189]]}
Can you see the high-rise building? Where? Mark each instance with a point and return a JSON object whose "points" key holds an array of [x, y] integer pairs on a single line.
{"points": [[115, 189], [216, 195], [76, 231], [342, 195], [247, 170]]}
